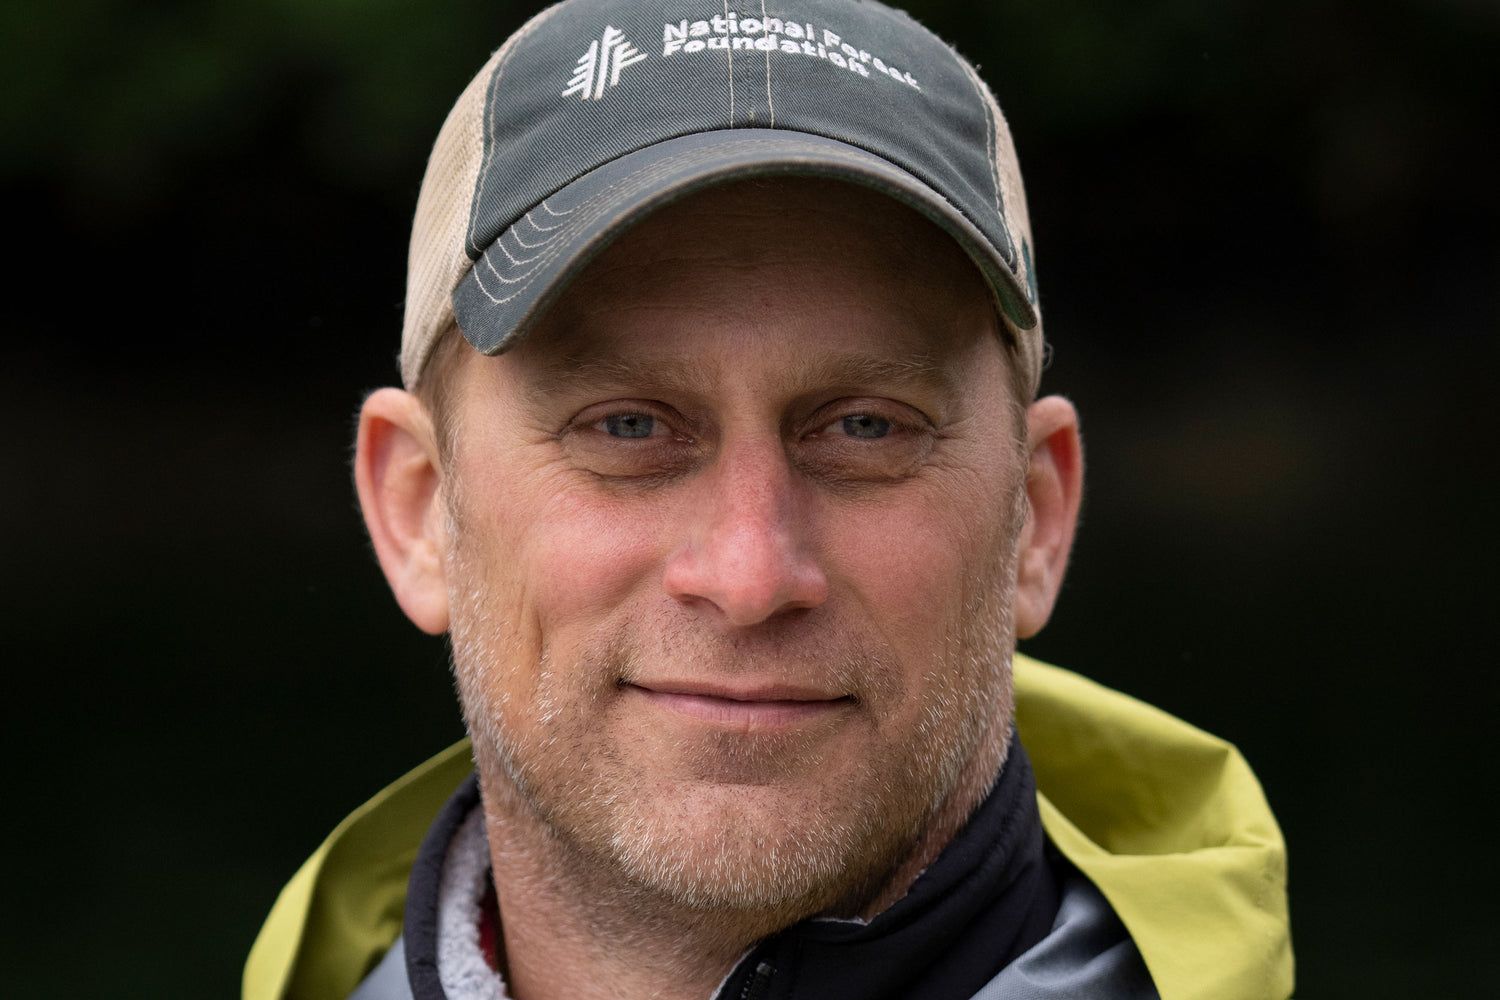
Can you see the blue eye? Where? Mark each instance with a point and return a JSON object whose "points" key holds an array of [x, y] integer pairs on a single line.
{"points": [[863, 425], [630, 425]]}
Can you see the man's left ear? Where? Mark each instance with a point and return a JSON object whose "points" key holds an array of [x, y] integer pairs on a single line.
{"points": [[1054, 487]]}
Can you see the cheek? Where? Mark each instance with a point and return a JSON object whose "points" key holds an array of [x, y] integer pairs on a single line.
{"points": [[928, 578], [548, 583], [582, 561], [919, 559]]}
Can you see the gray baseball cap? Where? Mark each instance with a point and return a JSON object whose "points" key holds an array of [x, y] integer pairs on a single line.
{"points": [[598, 112]]}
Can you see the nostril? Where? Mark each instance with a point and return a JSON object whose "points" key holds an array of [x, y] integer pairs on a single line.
{"points": [[746, 579]]}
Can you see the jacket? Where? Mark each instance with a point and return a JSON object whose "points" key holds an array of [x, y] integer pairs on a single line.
{"points": [[1166, 821]]}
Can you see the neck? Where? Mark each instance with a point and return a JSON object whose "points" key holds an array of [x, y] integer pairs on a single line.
{"points": [[950, 816], [572, 933]]}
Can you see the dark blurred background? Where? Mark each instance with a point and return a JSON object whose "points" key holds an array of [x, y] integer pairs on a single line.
{"points": [[1267, 241]]}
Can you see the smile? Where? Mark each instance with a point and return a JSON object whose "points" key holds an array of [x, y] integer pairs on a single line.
{"points": [[747, 709]]}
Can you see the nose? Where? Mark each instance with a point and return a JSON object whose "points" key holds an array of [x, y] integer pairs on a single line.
{"points": [[745, 545]]}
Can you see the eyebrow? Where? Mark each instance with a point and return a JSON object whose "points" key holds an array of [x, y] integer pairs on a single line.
{"points": [[575, 370], [860, 369], [686, 374]]}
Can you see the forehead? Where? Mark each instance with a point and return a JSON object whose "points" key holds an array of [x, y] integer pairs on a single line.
{"points": [[845, 275]]}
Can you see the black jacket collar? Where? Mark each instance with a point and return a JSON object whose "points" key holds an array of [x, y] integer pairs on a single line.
{"points": [[991, 894]]}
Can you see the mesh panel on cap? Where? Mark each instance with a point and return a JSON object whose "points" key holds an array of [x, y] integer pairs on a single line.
{"points": [[436, 260], [1029, 343]]}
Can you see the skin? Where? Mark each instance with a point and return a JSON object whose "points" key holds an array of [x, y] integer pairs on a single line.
{"points": [[733, 551]]}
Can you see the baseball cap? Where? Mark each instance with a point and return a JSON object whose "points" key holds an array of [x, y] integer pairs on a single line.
{"points": [[598, 112]]}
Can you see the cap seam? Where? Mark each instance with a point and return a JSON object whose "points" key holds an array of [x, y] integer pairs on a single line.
{"points": [[729, 57], [770, 103], [507, 50]]}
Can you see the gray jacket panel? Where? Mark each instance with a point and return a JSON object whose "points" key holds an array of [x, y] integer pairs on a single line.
{"points": [[387, 981], [1088, 956]]}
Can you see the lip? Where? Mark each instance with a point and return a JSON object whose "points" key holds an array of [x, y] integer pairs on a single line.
{"points": [[753, 707]]}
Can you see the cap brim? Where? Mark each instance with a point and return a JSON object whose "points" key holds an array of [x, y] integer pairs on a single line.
{"points": [[520, 275]]}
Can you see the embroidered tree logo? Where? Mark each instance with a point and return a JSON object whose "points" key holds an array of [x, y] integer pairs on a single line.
{"points": [[600, 66]]}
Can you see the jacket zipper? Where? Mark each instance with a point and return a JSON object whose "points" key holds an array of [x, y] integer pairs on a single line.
{"points": [[759, 983]]}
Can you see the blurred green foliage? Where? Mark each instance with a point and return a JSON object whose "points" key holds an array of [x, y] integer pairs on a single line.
{"points": [[118, 99]]}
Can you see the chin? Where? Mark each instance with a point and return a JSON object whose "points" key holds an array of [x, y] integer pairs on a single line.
{"points": [[757, 849]]}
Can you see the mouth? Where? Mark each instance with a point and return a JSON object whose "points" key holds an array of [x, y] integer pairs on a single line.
{"points": [[746, 708]]}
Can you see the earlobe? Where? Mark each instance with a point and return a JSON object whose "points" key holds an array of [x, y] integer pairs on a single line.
{"points": [[1054, 487], [398, 475]]}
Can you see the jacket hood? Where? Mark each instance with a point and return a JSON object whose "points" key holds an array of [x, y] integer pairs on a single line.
{"points": [[1167, 821], [1171, 825]]}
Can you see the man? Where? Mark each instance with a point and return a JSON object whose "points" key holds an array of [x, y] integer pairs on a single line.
{"points": [[722, 464]]}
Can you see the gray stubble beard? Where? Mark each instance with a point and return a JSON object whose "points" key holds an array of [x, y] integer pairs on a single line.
{"points": [[587, 829]]}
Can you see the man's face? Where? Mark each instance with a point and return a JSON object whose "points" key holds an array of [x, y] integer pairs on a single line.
{"points": [[732, 548]]}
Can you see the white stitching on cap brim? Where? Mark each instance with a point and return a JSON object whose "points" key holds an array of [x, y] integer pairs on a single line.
{"points": [[520, 262], [544, 233], [549, 210], [594, 206], [623, 192]]}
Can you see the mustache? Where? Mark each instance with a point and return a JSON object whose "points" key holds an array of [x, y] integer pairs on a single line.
{"points": [[818, 652]]}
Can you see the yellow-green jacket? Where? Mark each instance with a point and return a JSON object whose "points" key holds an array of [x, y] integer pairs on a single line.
{"points": [[1167, 821]]}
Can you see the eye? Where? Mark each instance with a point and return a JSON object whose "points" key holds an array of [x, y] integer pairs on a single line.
{"points": [[629, 425], [621, 440], [865, 425], [856, 440]]}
